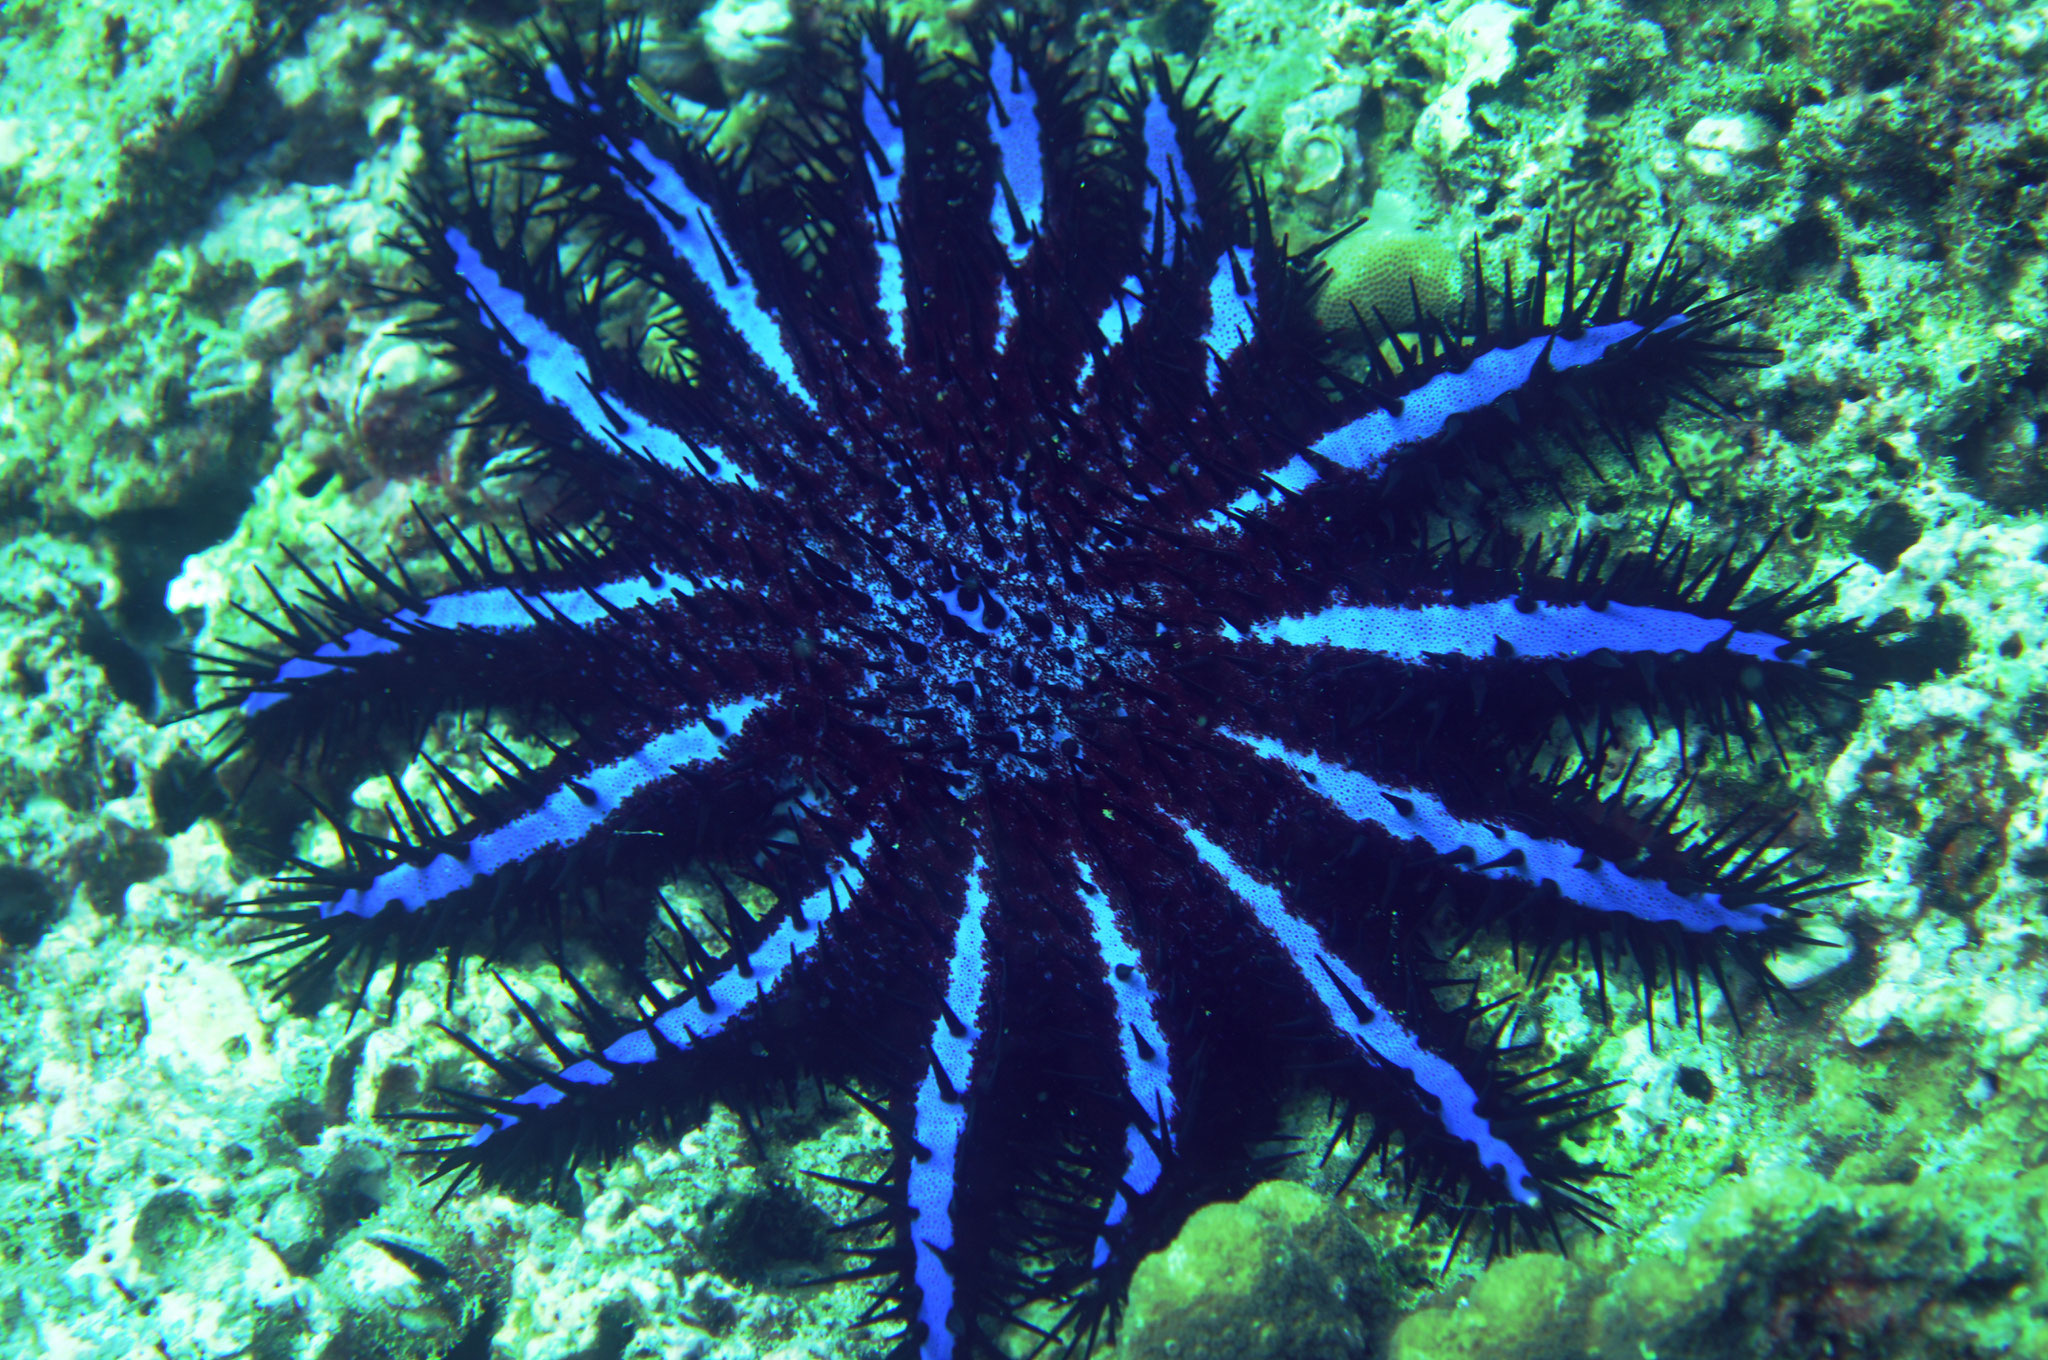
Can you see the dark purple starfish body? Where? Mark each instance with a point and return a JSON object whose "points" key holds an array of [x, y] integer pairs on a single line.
{"points": [[1006, 580]]}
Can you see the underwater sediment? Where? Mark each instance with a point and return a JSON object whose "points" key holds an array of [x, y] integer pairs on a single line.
{"points": [[198, 376]]}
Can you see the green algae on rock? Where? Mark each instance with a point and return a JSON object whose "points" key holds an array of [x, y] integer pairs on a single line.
{"points": [[1783, 1263], [104, 111], [1523, 1308], [1276, 1275]]}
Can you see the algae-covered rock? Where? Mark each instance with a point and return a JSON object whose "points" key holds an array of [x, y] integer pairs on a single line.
{"points": [[1480, 51], [1872, 41], [1524, 1308], [164, 343], [1787, 1263], [76, 811], [104, 112], [1782, 1263], [1279, 1275]]}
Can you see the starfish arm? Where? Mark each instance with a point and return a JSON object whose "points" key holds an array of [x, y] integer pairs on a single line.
{"points": [[1165, 289], [885, 154], [938, 1127], [1428, 409], [1143, 1048], [684, 198], [690, 226], [683, 1052], [1519, 626], [1591, 638], [444, 651], [1508, 855], [1376, 1029], [555, 377], [458, 888], [1460, 393]]}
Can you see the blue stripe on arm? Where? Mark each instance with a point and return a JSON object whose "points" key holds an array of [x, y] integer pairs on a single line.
{"points": [[1122, 314], [565, 817], [498, 610], [1166, 167], [561, 374], [1233, 302], [1142, 1043], [1013, 127], [1381, 1036], [940, 1120], [693, 234], [1366, 443], [726, 999], [1557, 631], [558, 85], [733, 994], [885, 173], [506, 610], [1166, 184], [1411, 814]]}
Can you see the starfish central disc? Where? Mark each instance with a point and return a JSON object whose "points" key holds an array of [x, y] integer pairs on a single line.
{"points": [[984, 656]]}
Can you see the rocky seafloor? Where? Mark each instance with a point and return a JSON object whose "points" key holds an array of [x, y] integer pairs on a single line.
{"points": [[194, 377]]}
